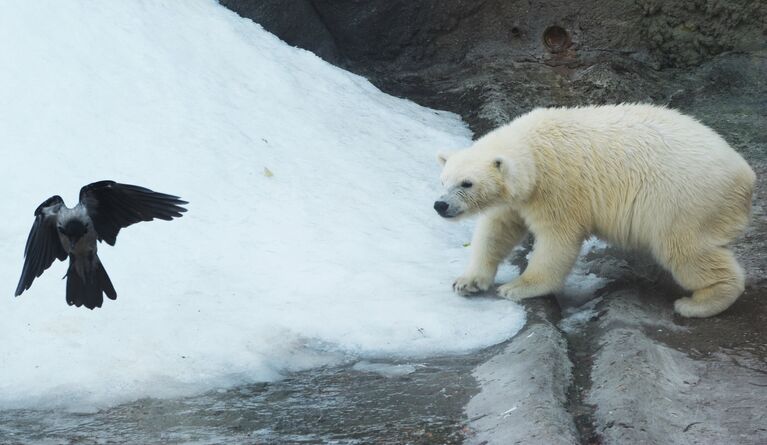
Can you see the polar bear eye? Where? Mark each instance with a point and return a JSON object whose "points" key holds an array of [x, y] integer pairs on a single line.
{"points": [[466, 184]]}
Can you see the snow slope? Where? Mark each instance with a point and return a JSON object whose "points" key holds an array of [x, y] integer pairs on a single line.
{"points": [[333, 254]]}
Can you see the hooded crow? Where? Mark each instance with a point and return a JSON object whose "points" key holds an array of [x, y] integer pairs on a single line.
{"points": [[59, 232]]}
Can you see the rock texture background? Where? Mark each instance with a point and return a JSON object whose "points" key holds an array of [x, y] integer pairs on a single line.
{"points": [[635, 373]]}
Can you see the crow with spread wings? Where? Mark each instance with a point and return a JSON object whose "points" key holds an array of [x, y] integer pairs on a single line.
{"points": [[105, 207]]}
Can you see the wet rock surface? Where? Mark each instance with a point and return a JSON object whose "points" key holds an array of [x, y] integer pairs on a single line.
{"points": [[366, 403], [638, 373], [524, 388], [655, 377]]}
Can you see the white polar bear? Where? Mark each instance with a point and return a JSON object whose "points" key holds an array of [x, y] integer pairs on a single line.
{"points": [[639, 176]]}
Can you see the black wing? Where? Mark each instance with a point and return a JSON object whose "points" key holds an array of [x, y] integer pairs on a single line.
{"points": [[43, 245], [113, 206]]}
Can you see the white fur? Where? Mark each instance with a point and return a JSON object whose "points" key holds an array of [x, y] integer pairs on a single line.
{"points": [[639, 176]]}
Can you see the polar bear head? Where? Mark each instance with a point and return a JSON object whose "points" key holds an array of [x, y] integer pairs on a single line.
{"points": [[478, 179]]}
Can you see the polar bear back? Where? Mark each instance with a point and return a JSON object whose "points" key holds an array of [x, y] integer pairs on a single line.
{"points": [[629, 173]]}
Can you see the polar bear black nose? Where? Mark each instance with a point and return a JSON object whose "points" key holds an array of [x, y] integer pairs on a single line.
{"points": [[441, 207]]}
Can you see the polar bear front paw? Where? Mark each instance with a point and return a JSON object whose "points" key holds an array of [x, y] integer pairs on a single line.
{"points": [[516, 291], [472, 284]]}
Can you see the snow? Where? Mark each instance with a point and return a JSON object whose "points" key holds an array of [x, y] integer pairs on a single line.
{"points": [[310, 238]]}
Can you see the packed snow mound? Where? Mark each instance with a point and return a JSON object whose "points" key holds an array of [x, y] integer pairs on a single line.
{"points": [[310, 237]]}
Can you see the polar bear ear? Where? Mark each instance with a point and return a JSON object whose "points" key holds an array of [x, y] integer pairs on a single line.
{"points": [[502, 164], [444, 155], [518, 175]]}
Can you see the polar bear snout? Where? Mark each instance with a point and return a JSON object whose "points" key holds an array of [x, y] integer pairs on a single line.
{"points": [[441, 207], [449, 208]]}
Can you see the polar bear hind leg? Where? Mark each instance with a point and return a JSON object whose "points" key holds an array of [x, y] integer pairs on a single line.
{"points": [[712, 273], [699, 259]]}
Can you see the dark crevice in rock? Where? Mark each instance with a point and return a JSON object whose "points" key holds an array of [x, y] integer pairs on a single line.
{"points": [[581, 351]]}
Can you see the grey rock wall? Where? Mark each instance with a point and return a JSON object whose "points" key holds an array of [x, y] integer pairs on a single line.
{"points": [[491, 60]]}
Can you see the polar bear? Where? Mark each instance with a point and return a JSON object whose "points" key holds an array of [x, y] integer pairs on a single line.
{"points": [[639, 176]]}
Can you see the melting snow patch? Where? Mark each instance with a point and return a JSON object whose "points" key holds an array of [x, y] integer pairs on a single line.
{"points": [[576, 318], [581, 283]]}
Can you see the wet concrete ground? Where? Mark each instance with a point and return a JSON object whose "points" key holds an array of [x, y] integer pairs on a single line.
{"points": [[369, 403]]}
